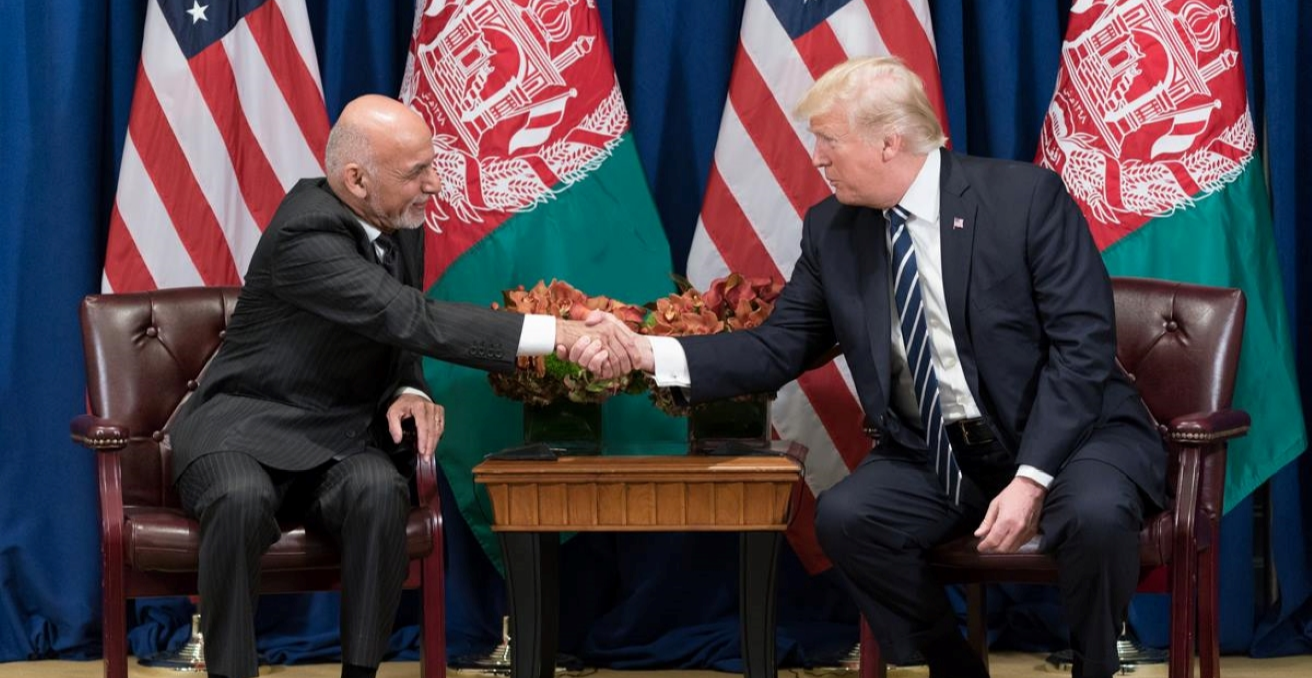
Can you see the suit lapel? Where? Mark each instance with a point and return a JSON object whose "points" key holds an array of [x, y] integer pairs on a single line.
{"points": [[362, 242], [870, 248], [366, 246], [958, 223]]}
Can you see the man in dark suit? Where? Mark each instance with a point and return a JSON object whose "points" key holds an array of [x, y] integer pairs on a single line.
{"points": [[301, 411], [976, 317]]}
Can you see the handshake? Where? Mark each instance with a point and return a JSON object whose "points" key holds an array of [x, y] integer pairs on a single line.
{"points": [[603, 345]]}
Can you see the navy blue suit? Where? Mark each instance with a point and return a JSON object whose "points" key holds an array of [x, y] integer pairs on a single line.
{"points": [[1030, 305]]}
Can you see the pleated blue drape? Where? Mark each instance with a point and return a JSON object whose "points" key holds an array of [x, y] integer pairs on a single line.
{"points": [[632, 601]]}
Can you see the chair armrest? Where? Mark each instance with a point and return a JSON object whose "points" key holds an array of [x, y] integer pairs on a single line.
{"points": [[1204, 428], [97, 433], [425, 467], [426, 480]]}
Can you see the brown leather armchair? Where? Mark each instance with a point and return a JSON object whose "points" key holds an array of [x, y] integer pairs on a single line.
{"points": [[1180, 344], [144, 353]]}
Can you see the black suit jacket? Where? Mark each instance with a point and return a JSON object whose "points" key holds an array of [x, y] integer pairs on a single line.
{"points": [[321, 339], [1028, 298]]}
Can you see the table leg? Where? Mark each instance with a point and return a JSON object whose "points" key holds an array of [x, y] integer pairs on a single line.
{"points": [[758, 556], [532, 577]]}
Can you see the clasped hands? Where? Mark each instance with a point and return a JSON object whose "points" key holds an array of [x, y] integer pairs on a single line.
{"points": [[600, 343], [603, 345]]}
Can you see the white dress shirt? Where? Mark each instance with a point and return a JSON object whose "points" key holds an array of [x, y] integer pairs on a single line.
{"points": [[922, 202], [538, 336]]}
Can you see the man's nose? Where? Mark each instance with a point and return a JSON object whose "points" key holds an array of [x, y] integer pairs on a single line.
{"points": [[432, 181], [818, 157]]}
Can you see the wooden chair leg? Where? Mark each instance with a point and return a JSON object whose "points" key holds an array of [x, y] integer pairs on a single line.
{"points": [[1183, 606], [872, 661], [115, 627], [113, 594], [432, 624], [977, 621], [1209, 633]]}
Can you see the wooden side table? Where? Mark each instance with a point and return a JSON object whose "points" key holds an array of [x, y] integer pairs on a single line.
{"points": [[532, 501]]}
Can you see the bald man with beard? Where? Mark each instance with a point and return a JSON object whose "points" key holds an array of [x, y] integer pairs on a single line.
{"points": [[299, 416]]}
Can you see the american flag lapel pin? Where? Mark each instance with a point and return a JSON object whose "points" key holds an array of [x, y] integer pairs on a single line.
{"points": [[958, 223]]}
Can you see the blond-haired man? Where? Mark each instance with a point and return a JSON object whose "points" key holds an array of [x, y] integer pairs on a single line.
{"points": [[976, 317]]}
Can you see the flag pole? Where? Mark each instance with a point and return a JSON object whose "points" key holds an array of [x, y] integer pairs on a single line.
{"points": [[190, 657]]}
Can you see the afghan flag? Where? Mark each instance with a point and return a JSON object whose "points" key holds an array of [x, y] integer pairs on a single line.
{"points": [[1150, 129], [541, 180]]}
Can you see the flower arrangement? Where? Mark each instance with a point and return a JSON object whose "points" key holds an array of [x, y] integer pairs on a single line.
{"points": [[732, 303], [543, 380]]}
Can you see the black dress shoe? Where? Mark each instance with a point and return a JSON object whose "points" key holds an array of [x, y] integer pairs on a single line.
{"points": [[951, 656]]}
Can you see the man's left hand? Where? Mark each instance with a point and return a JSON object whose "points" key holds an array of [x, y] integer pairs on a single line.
{"points": [[430, 420], [1012, 518]]}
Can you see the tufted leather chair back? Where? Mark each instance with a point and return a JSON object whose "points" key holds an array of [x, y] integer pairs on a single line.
{"points": [[1180, 345], [144, 353]]}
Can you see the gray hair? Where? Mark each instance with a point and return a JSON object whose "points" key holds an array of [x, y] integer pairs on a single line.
{"points": [[879, 94], [347, 143]]}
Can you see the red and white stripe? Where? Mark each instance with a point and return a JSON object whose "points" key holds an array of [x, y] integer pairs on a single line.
{"points": [[761, 184], [213, 145]]}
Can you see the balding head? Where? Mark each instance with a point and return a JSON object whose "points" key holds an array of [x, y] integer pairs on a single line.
{"points": [[379, 161], [364, 126]]}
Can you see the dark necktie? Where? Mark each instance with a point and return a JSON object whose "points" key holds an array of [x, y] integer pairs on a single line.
{"points": [[915, 336], [389, 258]]}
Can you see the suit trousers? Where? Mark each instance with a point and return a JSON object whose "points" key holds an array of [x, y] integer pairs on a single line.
{"points": [[878, 523], [361, 501]]}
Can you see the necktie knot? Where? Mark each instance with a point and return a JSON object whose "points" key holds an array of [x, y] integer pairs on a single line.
{"points": [[897, 217]]}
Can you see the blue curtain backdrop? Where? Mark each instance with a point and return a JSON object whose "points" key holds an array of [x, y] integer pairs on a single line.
{"points": [[659, 600]]}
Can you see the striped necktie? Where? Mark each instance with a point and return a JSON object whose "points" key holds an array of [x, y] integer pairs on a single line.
{"points": [[915, 336]]}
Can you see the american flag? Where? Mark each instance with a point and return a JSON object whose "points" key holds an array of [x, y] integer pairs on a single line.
{"points": [[226, 115], [762, 182]]}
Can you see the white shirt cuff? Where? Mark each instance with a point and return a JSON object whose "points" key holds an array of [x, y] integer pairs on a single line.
{"points": [[671, 364], [538, 336], [1027, 471], [411, 391]]}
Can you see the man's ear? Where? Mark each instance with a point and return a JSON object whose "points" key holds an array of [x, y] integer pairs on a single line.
{"points": [[891, 146], [355, 181]]}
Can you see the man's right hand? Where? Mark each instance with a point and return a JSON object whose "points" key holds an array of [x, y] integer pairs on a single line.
{"points": [[644, 359], [602, 345]]}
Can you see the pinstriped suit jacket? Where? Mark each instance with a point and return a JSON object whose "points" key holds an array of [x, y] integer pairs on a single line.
{"points": [[321, 338]]}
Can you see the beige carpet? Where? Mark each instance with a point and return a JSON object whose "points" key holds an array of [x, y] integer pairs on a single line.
{"points": [[1004, 665]]}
